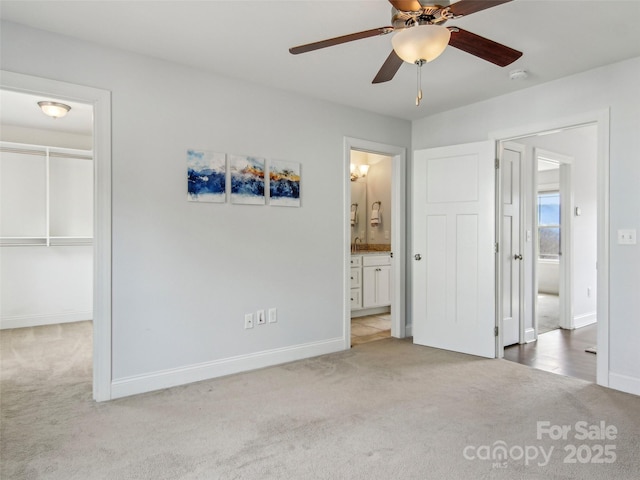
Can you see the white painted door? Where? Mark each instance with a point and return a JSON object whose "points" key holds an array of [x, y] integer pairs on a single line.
{"points": [[453, 248], [511, 245]]}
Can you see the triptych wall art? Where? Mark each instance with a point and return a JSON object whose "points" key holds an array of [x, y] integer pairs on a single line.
{"points": [[210, 175]]}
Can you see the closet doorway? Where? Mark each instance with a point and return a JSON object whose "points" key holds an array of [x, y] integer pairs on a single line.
{"points": [[46, 235], [99, 104]]}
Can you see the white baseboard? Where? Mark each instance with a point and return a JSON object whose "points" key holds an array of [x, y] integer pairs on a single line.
{"points": [[21, 321], [529, 335], [584, 320], [369, 311], [624, 383], [125, 387]]}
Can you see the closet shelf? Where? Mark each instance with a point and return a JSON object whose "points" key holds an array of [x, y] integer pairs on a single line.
{"points": [[44, 241]]}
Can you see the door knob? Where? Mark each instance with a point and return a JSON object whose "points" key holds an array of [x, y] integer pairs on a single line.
{"points": [[517, 256], [417, 256]]}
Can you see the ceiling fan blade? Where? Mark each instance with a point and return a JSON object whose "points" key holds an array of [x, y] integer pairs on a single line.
{"points": [[406, 5], [389, 68], [467, 7], [484, 48], [330, 42]]}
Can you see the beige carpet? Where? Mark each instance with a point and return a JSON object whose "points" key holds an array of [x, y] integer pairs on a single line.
{"points": [[384, 410]]}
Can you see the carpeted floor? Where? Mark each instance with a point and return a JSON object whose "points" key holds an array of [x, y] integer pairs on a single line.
{"points": [[384, 410]]}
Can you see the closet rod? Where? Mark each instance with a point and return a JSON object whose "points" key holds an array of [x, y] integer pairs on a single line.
{"points": [[44, 153]]}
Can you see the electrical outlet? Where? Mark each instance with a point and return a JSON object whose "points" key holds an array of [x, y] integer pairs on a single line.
{"points": [[261, 318], [248, 320], [273, 315]]}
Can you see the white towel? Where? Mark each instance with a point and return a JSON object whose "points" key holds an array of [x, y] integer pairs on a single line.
{"points": [[375, 218], [353, 218]]}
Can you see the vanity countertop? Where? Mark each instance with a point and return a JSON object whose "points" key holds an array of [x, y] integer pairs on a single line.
{"points": [[371, 252]]}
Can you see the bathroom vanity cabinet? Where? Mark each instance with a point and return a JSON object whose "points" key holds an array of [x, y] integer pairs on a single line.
{"points": [[370, 281]]}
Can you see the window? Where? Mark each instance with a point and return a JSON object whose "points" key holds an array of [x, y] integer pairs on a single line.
{"points": [[549, 225]]}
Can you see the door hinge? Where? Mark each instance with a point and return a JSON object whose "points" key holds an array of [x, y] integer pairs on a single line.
{"points": [[497, 163], [495, 331], [496, 247]]}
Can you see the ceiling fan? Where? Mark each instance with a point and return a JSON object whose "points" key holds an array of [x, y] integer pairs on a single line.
{"points": [[421, 37]]}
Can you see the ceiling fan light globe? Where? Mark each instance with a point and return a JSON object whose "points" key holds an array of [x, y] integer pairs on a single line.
{"points": [[423, 42]]}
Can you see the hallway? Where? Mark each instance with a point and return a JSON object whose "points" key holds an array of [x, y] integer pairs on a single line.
{"points": [[560, 351]]}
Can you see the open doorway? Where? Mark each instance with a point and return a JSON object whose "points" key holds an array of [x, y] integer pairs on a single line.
{"points": [[100, 102], [374, 241], [560, 231], [371, 219], [46, 237]]}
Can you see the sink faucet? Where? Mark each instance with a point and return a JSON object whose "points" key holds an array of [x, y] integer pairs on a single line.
{"points": [[355, 244]]}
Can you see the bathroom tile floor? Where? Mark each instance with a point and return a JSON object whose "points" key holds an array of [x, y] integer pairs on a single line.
{"points": [[370, 328]]}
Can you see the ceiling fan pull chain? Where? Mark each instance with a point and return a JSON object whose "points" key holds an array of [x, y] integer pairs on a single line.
{"points": [[419, 63]]}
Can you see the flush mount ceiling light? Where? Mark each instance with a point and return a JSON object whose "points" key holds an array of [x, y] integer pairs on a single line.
{"points": [[54, 109]]}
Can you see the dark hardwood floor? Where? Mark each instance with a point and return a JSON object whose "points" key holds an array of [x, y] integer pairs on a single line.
{"points": [[559, 351]]}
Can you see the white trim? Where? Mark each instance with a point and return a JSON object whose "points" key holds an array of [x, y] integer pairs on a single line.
{"points": [[398, 231], [585, 319], [205, 371], [529, 335], [22, 321], [601, 118], [624, 383], [370, 311], [101, 102]]}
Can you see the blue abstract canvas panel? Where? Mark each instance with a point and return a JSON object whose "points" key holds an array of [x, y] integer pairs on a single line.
{"points": [[206, 176], [284, 183], [247, 180]]}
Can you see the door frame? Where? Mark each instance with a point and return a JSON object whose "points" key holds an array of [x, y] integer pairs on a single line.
{"points": [[601, 119], [398, 231], [101, 102]]}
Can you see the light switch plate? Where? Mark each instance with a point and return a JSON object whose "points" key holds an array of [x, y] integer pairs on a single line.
{"points": [[627, 236]]}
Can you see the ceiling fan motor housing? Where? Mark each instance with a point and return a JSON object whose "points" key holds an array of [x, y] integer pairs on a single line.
{"points": [[428, 15]]}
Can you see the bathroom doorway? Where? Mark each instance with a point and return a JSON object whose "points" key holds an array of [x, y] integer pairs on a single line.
{"points": [[374, 238], [370, 218]]}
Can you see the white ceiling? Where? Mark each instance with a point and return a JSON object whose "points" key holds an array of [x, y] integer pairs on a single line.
{"points": [[249, 40]]}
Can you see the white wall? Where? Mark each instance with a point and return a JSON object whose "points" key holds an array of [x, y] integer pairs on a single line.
{"points": [[379, 190], [184, 273], [45, 285], [51, 138], [613, 87]]}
